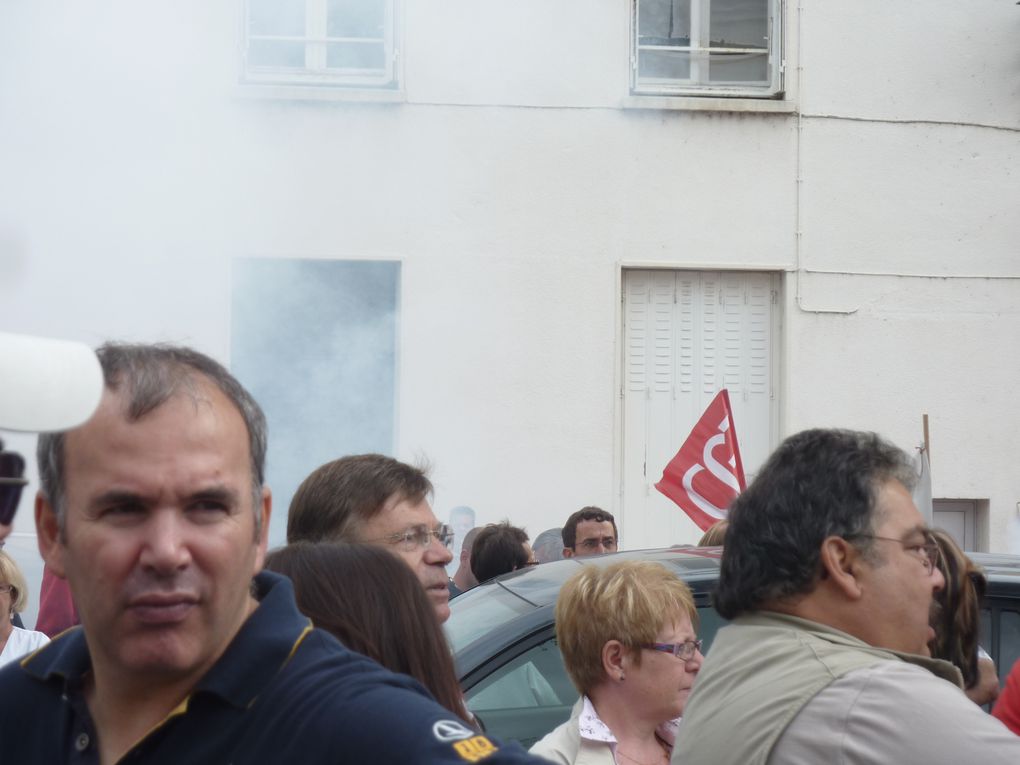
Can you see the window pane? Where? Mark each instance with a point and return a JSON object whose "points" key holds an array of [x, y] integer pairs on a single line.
{"points": [[315, 341], [739, 23], [355, 56], [739, 67], [356, 18], [664, 22], [276, 17], [276, 54], [672, 65]]}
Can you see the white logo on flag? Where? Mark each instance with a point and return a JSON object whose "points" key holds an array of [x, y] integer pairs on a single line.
{"points": [[714, 467]]}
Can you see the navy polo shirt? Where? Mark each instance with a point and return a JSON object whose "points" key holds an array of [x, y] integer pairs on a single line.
{"points": [[281, 693]]}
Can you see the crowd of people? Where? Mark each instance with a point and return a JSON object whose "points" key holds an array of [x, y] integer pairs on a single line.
{"points": [[853, 628]]}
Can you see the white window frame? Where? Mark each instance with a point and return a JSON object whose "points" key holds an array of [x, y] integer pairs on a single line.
{"points": [[315, 40], [698, 83]]}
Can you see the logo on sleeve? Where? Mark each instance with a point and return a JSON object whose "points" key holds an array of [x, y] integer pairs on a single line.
{"points": [[475, 749], [451, 730]]}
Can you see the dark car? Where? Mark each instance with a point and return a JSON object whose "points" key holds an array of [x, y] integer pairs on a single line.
{"points": [[510, 667]]}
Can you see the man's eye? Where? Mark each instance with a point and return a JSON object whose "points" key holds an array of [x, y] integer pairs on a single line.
{"points": [[209, 506], [122, 510]]}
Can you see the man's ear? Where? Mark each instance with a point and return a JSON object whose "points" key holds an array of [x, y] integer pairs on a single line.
{"points": [[266, 511], [613, 655], [47, 534], [568, 553], [840, 563]]}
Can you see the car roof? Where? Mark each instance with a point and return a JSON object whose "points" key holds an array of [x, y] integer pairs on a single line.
{"points": [[500, 611], [540, 585], [534, 589]]}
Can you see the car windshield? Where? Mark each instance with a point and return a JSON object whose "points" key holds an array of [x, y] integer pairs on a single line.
{"points": [[481, 611]]}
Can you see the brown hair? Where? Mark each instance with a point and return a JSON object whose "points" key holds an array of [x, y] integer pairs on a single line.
{"points": [[372, 602], [956, 617], [498, 549], [332, 502]]}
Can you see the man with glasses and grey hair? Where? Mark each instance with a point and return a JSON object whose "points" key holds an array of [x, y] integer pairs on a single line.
{"points": [[376, 499], [156, 513], [828, 576]]}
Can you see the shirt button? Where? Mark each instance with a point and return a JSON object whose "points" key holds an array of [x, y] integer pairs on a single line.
{"points": [[82, 742]]}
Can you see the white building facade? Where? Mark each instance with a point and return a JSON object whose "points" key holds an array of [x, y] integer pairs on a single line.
{"points": [[590, 217]]}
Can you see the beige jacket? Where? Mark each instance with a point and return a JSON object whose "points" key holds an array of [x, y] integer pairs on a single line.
{"points": [[761, 671]]}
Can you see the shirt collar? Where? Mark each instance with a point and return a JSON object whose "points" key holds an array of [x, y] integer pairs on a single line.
{"points": [[265, 642], [591, 727]]}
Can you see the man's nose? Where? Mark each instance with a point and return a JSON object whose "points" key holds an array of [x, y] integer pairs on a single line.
{"points": [[438, 553], [166, 544]]}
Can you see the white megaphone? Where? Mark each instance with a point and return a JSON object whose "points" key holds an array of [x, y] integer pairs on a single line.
{"points": [[46, 384]]}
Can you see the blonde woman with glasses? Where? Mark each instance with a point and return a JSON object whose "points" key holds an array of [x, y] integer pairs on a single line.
{"points": [[628, 639], [15, 642]]}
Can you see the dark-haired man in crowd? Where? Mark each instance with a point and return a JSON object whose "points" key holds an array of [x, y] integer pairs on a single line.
{"points": [[500, 548], [828, 575], [156, 513], [589, 531], [376, 499]]}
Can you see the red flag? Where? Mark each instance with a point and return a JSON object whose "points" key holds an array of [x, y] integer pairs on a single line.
{"points": [[706, 474]]}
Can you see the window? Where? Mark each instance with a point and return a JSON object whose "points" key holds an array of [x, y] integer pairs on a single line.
{"points": [[966, 520], [321, 42], [315, 341], [707, 47]]}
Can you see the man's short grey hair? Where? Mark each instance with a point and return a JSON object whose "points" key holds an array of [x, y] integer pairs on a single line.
{"points": [[147, 376]]}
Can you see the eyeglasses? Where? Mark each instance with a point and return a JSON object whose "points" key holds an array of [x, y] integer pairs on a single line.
{"points": [[927, 551], [12, 481], [415, 537], [593, 544], [684, 651], [7, 588]]}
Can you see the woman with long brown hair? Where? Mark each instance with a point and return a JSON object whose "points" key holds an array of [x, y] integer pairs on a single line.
{"points": [[956, 619], [374, 604]]}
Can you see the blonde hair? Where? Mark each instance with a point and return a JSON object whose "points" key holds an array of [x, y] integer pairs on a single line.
{"points": [[715, 535], [11, 574], [630, 601]]}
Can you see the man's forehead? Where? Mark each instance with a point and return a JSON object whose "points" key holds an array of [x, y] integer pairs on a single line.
{"points": [[400, 511], [592, 528], [203, 412]]}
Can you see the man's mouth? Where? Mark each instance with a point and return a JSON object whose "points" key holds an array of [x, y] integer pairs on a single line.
{"points": [[162, 608]]}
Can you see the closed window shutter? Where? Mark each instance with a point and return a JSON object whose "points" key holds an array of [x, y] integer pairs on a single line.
{"points": [[687, 335]]}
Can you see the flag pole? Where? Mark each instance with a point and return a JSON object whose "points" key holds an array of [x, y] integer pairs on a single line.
{"points": [[927, 444]]}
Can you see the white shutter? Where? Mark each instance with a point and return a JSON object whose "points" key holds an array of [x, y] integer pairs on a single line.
{"points": [[687, 334]]}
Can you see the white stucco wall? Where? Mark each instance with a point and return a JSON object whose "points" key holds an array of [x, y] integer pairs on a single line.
{"points": [[512, 185]]}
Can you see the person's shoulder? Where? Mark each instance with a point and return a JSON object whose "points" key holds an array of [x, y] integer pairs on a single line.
{"points": [[560, 745], [912, 711], [30, 638], [346, 705]]}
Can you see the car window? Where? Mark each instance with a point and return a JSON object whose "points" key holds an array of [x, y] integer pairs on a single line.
{"points": [[1009, 641], [482, 611], [526, 697]]}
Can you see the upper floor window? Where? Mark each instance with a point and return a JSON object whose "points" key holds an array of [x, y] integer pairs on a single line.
{"points": [[707, 47], [321, 42]]}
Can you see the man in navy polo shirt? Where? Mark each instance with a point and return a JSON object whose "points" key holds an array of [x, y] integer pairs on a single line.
{"points": [[155, 512]]}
